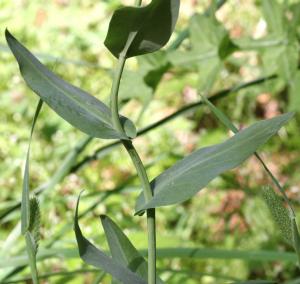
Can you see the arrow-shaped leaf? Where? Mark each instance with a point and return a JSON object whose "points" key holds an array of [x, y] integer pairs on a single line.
{"points": [[96, 257], [139, 30], [122, 250], [188, 176], [74, 105]]}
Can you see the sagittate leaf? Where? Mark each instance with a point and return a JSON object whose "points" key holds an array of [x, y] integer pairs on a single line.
{"points": [[139, 30], [74, 105], [122, 250], [188, 176], [96, 257]]}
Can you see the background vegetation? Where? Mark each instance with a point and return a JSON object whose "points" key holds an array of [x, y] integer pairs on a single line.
{"points": [[226, 229]]}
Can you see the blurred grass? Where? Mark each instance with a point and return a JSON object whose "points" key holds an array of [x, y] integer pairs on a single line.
{"points": [[68, 36]]}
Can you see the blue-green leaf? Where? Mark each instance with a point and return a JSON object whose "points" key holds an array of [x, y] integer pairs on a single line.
{"points": [[188, 176], [139, 30], [96, 257], [74, 105], [122, 250]]}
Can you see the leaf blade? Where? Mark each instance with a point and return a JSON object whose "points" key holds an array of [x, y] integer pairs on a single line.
{"points": [[199, 168], [74, 105], [97, 258], [122, 250], [148, 28]]}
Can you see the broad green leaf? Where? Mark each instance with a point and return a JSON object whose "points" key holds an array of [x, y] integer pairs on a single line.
{"points": [[188, 176], [79, 108], [139, 30], [122, 250], [279, 212], [97, 258]]}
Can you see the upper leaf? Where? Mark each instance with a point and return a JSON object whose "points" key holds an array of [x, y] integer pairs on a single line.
{"points": [[96, 257], [194, 172], [139, 30], [122, 250], [79, 108]]}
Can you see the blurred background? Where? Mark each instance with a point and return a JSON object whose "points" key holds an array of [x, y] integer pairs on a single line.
{"points": [[227, 225]]}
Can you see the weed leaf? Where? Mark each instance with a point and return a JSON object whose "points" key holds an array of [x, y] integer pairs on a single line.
{"points": [[96, 257], [188, 176], [74, 105], [122, 250], [139, 30]]}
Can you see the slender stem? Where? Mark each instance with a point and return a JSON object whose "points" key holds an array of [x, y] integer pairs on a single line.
{"points": [[150, 212], [138, 2], [114, 95]]}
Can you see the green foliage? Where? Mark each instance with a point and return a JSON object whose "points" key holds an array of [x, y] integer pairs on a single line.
{"points": [[205, 52], [94, 256], [135, 31], [198, 169], [74, 105], [122, 249]]}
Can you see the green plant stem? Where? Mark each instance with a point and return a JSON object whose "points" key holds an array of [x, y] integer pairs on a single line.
{"points": [[150, 213], [114, 95], [138, 2]]}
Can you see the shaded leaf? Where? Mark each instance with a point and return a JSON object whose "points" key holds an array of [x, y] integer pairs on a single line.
{"points": [[74, 105], [122, 250], [188, 176], [153, 66], [97, 258], [139, 30]]}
